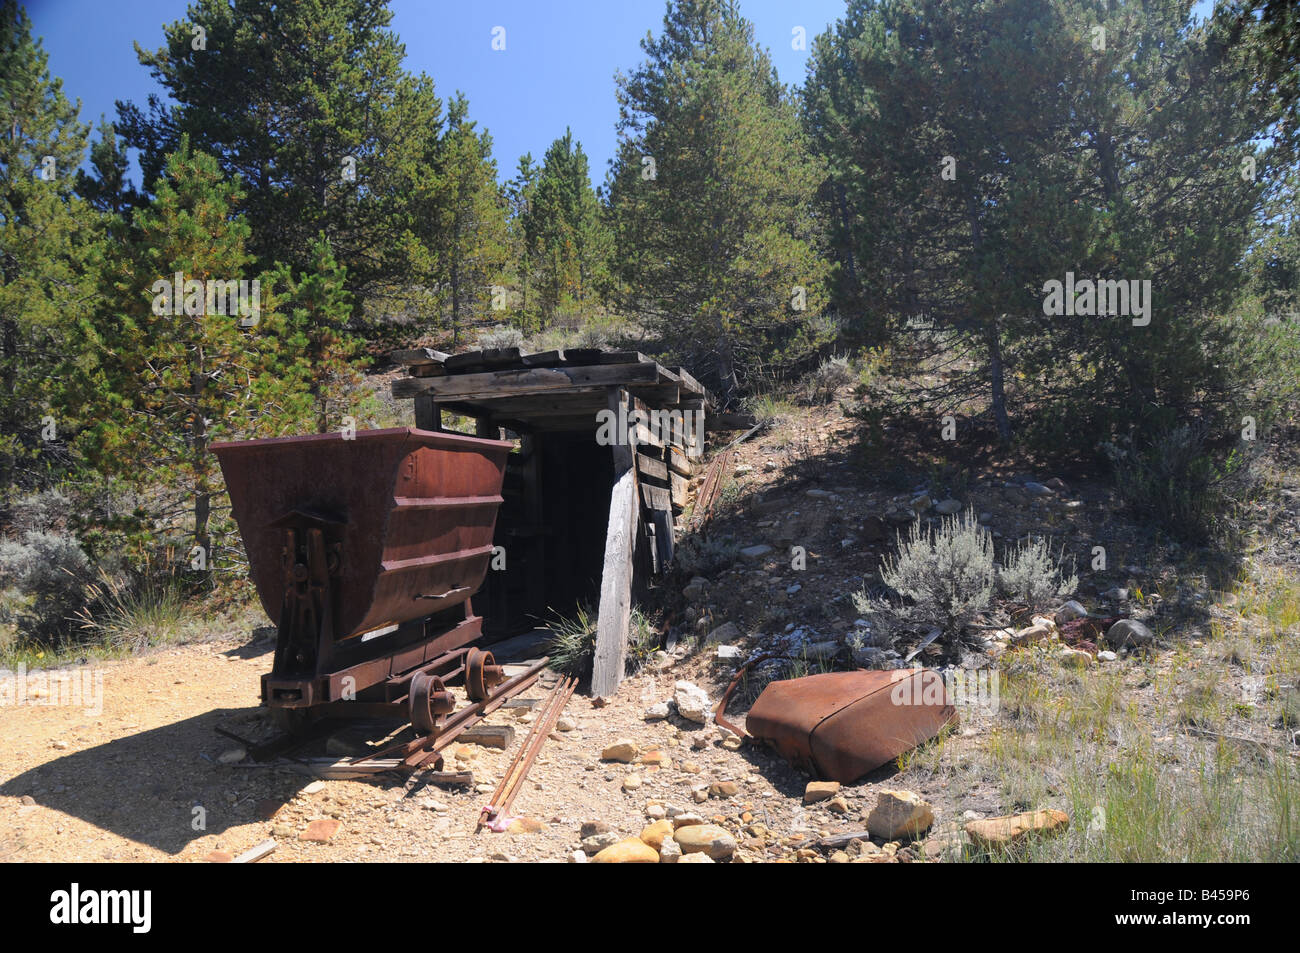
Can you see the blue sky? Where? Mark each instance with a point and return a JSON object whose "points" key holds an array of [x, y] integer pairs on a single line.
{"points": [[557, 68]]}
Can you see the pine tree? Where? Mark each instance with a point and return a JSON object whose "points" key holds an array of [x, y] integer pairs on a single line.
{"points": [[46, 234], [711, 200], [107, 188]]}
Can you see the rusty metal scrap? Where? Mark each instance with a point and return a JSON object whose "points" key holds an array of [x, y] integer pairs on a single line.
{"points": [[841, 725]]}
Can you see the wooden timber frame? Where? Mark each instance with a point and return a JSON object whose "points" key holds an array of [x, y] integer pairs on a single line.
{"points": [[553, 401]]}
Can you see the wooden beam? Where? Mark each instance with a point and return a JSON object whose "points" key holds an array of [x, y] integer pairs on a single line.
{"points": [[518, 383], [680, 489], [654, 469], [616, 578], [656, 497], [679, 462], [427, 414], [419, 355]]}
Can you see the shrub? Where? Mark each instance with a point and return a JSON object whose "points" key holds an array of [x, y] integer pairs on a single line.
{"points": [[947, 573], [43, 511], [1030, 575], [829, 376], [1180, 483], [573, 642], [501, 336], [703, 556], [53, 571]]}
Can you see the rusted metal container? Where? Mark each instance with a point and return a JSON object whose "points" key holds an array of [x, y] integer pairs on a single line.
{"points": [[407, 517], [350, 538], [840, 725]]}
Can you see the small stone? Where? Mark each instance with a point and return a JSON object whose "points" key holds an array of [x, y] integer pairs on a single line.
{"points": [[1075, 658], [592, 828], [1115, 594], [656, 758], [692, 702], [947, 507], [755, 553], [723, 789], [685, 818], [700, 793], [656, 833], [219, 857], [577, 857], [630, 851], [727, 632], [598, 842], [1129, 632], [839, 857], [837, 805], [229, 756], [657, 712], [1106, 656], [690, 767], [820, 791], [1031, 635], [314, 788], [525, 825], [709, 839], [732, 744], [1069, 612], [631, 782], [696, 859], [565, 724], [320, 830], [899, 814], [1000, 832], [670, 852], [624, 750]]}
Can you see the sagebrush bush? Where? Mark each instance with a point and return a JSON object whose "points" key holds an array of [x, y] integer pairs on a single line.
{"points": [[52, 571], [947, 572], [822, 383], [501, 336], [43, 511], [704, 555], [1031, 576]]}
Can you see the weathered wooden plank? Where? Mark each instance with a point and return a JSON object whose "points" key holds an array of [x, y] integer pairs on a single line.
{"points": [[463, 359], [518, 383], [418, 355], [426, 370], [582, 355], [650, 467], [254, 854], [623, 357], [689, 383], [680, 490], [656, 497], [543, 359], [488, 736], [616, 577], [679, 462], [663, 524]]}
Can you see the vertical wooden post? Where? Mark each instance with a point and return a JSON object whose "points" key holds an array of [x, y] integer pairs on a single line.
{"points": [[428, 415], [620, 548]]}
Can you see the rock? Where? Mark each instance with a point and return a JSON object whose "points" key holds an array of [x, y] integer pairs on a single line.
{"points": [[577, 857], [656, 811], [817, 494], [229, 756], [1031, 635], [656, 833], [707, 839], [727, 632], [685, 819], [656, 759], [670, 852], [1115, 594], [820, 791], [630, 851], [1106, 656], [837, 805], [743, 469], [1038, 489], [699, 793], [732, 744], [695, 591], [1002, 832], [631, 782], [525, 825], [598, 842], [1129, 633], [592, 828], [728, 652], [1069, 612], [692, 702], [723, 789], [219, 857], [756, 552], [320, 830], [947, 507], [624, 750], [695, 859], [1057, 484], [920, 504], [314, 788], [899, 814], [821, 650], [657, 712], [1075, 658], [565, 724]]}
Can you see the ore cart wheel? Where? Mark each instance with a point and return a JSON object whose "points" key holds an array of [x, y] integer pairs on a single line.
{"points": [[481, 674], [430, 700]]}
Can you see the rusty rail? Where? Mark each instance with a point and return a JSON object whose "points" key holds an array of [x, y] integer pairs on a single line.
{"points": [[496, 815]]}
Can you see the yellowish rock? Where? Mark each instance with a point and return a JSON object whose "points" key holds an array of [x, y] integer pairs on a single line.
{"points": [[655, 833], [625, 750], [820, 791], [633, 850], [707, 839]]}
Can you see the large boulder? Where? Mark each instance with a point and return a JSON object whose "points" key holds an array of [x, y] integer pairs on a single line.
{"points": [[692, 702]]}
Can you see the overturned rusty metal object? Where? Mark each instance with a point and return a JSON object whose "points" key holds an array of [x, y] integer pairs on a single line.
{"points": [[841, 725]]}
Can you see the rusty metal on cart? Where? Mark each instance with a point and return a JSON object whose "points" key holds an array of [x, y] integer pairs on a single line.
{"points": [[496, 815], [842, 725], [365, 548]]}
